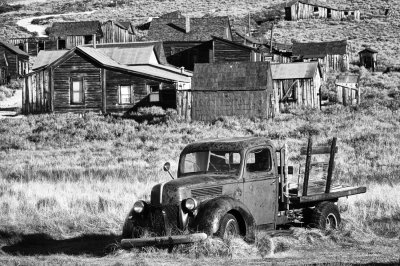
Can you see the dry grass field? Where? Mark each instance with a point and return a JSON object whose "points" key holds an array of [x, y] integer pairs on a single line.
{"points": [[67, 182]]}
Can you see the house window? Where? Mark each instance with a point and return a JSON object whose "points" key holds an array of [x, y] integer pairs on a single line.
{"points": [[125, 94], [77, 96], [154, 92], [88, 39], [61, 44], [346, 13], [315, 9], [40, 45]]}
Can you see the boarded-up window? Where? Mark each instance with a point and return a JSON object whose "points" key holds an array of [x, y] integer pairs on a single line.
{"points": [[125, 94], [77, 92], [154, 92]]}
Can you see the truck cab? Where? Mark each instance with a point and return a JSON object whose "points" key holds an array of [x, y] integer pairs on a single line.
{"points": [[226, 187]]}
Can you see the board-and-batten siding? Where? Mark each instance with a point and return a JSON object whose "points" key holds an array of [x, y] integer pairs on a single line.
{"points": [[115, 34], [73, 41], [77, 68], [306, 11], [17, 64]]}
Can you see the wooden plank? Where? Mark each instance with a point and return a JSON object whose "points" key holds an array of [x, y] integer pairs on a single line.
{"points": [[334, 194], [307, 170], [331, 166], [318, 150]]}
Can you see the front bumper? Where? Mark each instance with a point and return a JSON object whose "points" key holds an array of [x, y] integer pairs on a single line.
{"points": [[163, 240]]}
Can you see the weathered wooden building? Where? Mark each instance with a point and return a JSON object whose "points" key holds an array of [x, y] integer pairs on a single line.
{"points": [[117, 32], [313, 9], [32, 45], [296, 84], [179, 34], [368, 58], [347, 89], [331, 55], [232, 89], [13, 62], [67, 35], [108, 78]]}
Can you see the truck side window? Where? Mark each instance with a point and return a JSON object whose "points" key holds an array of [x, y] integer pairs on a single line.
{"points": [[259, 160]]}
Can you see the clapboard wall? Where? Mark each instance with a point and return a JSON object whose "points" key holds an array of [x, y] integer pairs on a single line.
{"points": [[299, 10]]}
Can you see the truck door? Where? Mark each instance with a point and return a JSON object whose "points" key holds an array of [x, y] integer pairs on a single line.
{"points": [[259, 185]]}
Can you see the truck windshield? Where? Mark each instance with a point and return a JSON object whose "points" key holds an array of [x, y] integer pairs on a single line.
{"points": [[219, 162]]}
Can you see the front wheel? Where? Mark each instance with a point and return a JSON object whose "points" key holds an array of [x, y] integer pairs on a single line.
{"points": [[228, 227], [326, 216]]}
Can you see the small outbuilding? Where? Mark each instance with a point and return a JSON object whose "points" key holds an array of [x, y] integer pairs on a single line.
{"points": [[347, 89], [368, 58], [13, 62], [232, 89], [296, 84]]}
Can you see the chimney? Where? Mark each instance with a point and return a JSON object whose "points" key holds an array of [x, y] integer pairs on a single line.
{"points": [[182, 70], [94, 41], [187, 24]]}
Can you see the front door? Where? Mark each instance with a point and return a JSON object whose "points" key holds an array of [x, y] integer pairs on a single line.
{"points": [[259, 185]]}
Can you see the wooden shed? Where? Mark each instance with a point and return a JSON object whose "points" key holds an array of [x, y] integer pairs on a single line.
{"points": [[314, 9], [70, 34], [296, 84], [232, 89], [108, 78], [116, 32], [347, 89], [13, 62], [32, 45], [331, 55], [368, 58]]}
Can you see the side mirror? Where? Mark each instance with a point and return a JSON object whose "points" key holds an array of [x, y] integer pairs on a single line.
{"points": [[166, 168]]}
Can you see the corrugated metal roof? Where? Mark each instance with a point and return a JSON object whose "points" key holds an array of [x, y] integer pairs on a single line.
{"points": [[13, 48], [347, 79], [45, 58], [127, 56], [320, 48], [294, 70]]}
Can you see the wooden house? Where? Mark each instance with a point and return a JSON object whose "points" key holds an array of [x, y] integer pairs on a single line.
{"points": [[313, 9], [179, 34], [67, 35], [32, 45], [13, 62], [368, 58], [117, 32], [232, 89], [331, 55], [347, 89], [296, 84], [108, 78]]}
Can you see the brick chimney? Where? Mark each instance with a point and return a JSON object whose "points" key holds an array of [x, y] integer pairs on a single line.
{"points": [[187, 24]]}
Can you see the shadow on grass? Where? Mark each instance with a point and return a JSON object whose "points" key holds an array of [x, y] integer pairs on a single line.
{"points": [[43, 244]]}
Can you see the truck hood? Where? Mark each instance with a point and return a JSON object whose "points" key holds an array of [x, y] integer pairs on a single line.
{"points": [[176, 190]]}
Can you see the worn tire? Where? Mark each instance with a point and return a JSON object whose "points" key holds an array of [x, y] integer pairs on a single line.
{"points": [[326, 216], [228, 227]]}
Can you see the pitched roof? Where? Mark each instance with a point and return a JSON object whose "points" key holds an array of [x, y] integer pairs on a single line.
{"points": [[315, 3], [319, 48], [294, 70], [12, 48], [347, 78], [215, 38], [173, 14], [368, 50], [75, 28], [201, 29], [233, 76], [45, 58]]}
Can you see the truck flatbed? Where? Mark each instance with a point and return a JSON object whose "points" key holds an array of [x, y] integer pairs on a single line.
{"points": [[335, 193]]}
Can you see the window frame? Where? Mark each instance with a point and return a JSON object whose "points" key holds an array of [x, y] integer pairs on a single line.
{"points": [[258, 174], [131, 93], [152, 93], [81, 91]]}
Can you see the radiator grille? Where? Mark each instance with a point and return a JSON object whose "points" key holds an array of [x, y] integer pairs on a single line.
{"points": [[209, 191], [164, 219]]}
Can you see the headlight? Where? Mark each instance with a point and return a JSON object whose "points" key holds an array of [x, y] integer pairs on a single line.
{"points": [[190, 204], [138, 207]]}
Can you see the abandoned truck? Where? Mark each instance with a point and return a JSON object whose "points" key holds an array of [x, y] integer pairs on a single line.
{"points": [[228, 187]]}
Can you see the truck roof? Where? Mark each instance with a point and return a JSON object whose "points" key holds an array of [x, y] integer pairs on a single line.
{"points": [[227, 144]]}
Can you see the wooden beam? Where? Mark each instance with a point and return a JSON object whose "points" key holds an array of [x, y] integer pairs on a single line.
{"points": [[308, 164], [104, 90], [318, 150], [331, 166]]}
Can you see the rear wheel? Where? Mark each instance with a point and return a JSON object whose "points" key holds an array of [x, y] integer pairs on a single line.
{"points": [[228, 227], [326, 216]]}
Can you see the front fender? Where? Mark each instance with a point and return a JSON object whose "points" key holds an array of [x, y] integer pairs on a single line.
{"points": [[211, 212]]}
